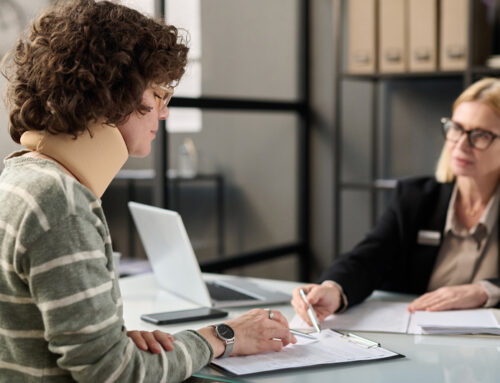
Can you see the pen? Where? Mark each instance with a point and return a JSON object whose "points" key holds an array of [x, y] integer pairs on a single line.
{"points": [[363, 340], [300, 333], [310, 311]]}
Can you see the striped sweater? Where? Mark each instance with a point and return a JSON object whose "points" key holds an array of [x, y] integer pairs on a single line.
{"points": [[60, 305]]}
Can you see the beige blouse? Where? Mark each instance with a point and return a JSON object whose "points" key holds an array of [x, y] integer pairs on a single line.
{"points": [[469, 256]]}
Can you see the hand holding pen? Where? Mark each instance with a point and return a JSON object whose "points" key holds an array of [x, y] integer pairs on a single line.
{"points": [[324, 300], [310, 311]]}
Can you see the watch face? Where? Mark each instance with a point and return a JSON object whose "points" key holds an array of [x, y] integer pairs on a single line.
{"points": [[225, 331]]}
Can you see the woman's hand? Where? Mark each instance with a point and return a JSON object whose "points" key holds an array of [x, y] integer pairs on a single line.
{"points": [[152, 341], [451, 298], [325, 300], [254, 332]]}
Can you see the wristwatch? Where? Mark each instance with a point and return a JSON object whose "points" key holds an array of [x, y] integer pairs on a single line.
{"points": [[226, 334]]}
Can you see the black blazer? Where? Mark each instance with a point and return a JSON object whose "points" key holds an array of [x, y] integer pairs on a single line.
{"points": [[389, 257]]}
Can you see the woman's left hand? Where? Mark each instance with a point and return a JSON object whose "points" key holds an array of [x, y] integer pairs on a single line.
{"points": [[451, 298], [152, 341]]}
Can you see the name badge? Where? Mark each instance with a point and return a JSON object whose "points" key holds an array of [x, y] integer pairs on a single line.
{"points": [[428, 237]]}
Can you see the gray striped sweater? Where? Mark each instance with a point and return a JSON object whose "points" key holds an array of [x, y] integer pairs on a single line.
{"points": [[60, 305]]}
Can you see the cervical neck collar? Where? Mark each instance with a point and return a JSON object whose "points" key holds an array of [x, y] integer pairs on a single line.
{"points": [[94, 157]]}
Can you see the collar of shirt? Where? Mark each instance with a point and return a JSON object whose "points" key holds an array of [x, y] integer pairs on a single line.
{"points": [[485, 224]]}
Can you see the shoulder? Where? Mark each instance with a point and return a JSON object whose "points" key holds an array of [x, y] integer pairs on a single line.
{"points": [[416, 194], [421, 186], [37, 195]]}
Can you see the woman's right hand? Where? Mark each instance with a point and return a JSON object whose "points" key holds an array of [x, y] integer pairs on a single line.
{"points": [[325, 300], [254, 332]]}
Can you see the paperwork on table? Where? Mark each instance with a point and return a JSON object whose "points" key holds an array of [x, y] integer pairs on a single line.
{"points": [[393, 317], [329, 348]]}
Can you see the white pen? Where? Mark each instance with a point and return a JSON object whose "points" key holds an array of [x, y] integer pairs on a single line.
{"points": [[300, 333], [369, 342], [310, 311]]}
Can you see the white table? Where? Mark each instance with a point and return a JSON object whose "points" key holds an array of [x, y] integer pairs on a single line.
{"points": [[450, 359]]}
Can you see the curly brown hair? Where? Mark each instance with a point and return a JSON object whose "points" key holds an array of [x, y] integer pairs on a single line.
{"points": [[84, 61]]}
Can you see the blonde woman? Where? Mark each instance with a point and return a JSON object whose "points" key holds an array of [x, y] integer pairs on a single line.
{"points": [[439, 238]]}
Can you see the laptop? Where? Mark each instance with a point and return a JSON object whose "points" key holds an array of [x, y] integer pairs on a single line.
{"points": [[176, 268]]}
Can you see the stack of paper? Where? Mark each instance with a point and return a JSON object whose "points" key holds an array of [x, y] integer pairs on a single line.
{"points": [[480, 321]]}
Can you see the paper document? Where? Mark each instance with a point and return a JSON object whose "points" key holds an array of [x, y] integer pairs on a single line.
{"points": [[377, 316], [384, 316], [330, 348], [480, 321]]}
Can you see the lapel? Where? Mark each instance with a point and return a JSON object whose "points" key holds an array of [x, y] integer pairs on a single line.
{"points": [[498, 239], [435, 208]]}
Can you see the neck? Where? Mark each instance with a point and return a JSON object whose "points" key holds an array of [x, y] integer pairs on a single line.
{"points": [[93, 158], [473, 191], [473, 197]]}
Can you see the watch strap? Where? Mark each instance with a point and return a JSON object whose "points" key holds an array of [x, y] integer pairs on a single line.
{"points": [[228, 342]]}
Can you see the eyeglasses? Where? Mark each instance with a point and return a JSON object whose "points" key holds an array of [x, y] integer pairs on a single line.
{"points": [[477, 138], [163, 95]]}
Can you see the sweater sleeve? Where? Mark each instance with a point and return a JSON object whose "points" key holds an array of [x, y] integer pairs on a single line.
{"points": [[72, 282]]}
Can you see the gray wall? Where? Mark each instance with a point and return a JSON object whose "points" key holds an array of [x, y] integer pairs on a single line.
{"points": [[27, 10]]}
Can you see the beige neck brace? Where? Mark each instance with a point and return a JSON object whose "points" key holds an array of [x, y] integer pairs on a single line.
{"points": [[94, 161]]}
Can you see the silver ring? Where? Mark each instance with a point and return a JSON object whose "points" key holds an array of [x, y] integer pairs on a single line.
{"points": [[270, 313]]}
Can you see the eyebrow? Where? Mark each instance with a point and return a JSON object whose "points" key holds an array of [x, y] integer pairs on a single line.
{"points": [[474, 128]]}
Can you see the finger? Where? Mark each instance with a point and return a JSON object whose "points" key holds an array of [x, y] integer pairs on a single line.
{"points": [[322, 314], [440, 306], [307, 288], [285, 335], [301, 311], [271, 345], [138, 340], [298, 302], [292, 340], [417, 306], [166, 340], [316, 294], [421, 302], [277, 333], [433, 303], [436, 299], [280, 318], [153, 345]]}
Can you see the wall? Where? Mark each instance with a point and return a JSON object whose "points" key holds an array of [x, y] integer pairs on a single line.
{"points": [[12, 23]]}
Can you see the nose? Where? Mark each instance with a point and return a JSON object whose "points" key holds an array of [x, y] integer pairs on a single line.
{"points": [[463, 142]]}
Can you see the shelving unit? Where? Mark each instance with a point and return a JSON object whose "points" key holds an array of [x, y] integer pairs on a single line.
{"points": [[377, 183]]}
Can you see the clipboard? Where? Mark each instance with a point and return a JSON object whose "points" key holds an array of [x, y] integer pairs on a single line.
{"points": [[330, 348]]}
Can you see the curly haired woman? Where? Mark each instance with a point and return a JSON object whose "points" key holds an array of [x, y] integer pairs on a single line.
{"points": [[86, 90]]}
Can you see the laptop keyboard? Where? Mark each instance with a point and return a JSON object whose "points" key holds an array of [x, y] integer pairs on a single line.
{"points": [[222, 293]]}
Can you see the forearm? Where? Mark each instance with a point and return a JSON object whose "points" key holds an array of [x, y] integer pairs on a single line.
{"points": [[124, 361], [75, 291], [216, 344]]}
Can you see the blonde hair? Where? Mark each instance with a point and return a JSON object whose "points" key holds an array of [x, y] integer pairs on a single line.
{"points": [[486, 91]]}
